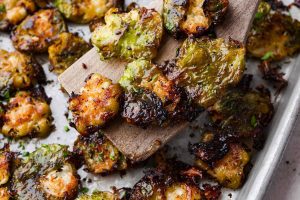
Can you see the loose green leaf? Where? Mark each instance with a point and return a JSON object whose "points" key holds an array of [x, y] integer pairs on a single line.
{"points": [[267, 56], [25, 154], [84, 190], [253, 121], [66, 128], [259, 15]]}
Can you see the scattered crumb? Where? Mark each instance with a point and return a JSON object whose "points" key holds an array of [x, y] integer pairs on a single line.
{"points": [[84, 66], [122, 173], [287, 162], [192, 135], [273, 75], [50, 81]]}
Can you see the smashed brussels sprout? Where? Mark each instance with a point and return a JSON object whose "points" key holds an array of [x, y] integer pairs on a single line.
{"points": [[84, 11], [151, 98], [65, 50], [99, 154], [192, 17], [36, 33], [224, 159], [179, 182], [18, 71], [12, 12], [46, 173], [207, 68], [243, 112], [274, 35], [97, 103], [129, 36], [27, 114]]}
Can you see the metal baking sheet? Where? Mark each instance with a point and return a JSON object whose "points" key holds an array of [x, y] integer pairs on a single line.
{"points": [[265, 162]]}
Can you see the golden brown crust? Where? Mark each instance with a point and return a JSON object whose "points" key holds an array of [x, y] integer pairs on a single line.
{"points": [[192, 17], [223, 158], [27, 115], [19, 71], [65, 50], [60, 183], [98, 103], [151, 98], [37, 32], [12, 12], [4, 193], [4, 167], [84, 11]]}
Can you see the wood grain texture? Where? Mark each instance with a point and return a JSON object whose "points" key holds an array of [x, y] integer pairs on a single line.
{"points": [[238, 20], [134, 142]]}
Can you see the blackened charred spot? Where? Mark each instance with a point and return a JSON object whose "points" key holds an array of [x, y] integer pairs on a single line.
{"points": [[212, 147], [211, 192], [143, 109], [273, 75]]}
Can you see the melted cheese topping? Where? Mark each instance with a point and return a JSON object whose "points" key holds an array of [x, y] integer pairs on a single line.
{"points": [[27, 116]]}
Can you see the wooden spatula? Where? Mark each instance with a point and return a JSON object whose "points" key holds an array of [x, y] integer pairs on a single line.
{"points": [[134, 142]]}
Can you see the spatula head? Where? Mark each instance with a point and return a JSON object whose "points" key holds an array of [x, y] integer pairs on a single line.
{"points": [[134, 142]]}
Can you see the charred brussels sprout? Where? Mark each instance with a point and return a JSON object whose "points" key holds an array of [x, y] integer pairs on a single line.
{"points": [[37, 32], [99, 154], [151, 98], [84, 11], [206, 68], [172, 184], [12, 12], [18, 71], [274, 35], [132, 35], [224, 159], [97, 103], [192, 17], [65, 50], [27, 114], [46, 173], [243, 112]]}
